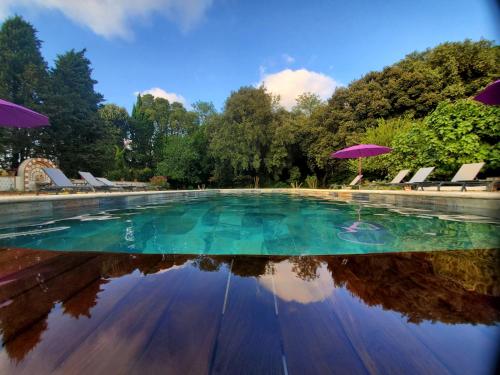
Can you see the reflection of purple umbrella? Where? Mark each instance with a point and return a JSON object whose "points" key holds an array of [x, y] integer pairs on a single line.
{"points": [[16, 116], [360, 151], [490, 95]]}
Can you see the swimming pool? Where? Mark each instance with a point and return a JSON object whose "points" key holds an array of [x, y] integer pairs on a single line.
{"points": [[250, 224], [213, 283]]}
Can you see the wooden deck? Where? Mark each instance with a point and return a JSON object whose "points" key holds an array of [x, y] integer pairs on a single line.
{"points": [[95, 313]]}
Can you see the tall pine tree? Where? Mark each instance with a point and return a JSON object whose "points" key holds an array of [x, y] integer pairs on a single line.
{"points": [[77, 138], [23, 80]]}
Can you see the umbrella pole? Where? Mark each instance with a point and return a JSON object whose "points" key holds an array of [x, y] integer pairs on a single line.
{"points": [[359, 166]]}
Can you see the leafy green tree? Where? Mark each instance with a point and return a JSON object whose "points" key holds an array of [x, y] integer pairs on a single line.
{"points": [[23, 80], [455, 133], [243, 139], [204, 111], [180, 161], [307, 103], [380, 167], [117, 119], [153, 120], [77, 138]]}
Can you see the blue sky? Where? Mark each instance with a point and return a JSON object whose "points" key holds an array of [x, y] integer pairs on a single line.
{"points": [[190, 50]]}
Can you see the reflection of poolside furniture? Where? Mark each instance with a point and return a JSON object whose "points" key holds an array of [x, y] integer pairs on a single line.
{"points": [[465, 176], [60, 182], [94, 183], [352, 184], [419, 178], [363, 233]]}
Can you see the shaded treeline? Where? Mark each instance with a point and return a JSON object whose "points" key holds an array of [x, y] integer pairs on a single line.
{"points": [[420, 106]]}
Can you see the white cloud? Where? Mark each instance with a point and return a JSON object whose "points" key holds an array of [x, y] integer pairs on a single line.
{"points": [[289, 84], [288, 59], [113, 18], [160, 93]]}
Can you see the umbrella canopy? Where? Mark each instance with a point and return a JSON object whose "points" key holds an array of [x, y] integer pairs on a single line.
{"points": [[360, 151], [490, 95], [16, 116]]}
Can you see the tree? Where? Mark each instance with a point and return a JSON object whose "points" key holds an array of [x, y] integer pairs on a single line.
{"points": [[307, 103], [117, 119], [23, 80], [77, 138], [180, 161], [382, 166], [204, 111], [243, 139], [455, 133]]}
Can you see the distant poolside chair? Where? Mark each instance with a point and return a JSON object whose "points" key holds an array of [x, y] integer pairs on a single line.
{"points": [[466, 175], [399, 177], [94, 183], [418, 179], [352, 184], [397, 180], [60, 182], [111, 184]]}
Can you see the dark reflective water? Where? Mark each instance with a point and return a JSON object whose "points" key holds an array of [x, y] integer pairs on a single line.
{"points": [[102, 313]]}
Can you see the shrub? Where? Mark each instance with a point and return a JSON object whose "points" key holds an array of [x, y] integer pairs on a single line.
{"points": [[454, 134], [379, 167], [312, 182], [160, 181], [294, 175]]}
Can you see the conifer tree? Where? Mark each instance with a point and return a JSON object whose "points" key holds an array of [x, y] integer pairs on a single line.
{"points": [[23, 80]]}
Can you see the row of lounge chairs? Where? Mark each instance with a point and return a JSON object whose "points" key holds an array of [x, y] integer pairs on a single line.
{"points": [[59, 182], [465, 176]]}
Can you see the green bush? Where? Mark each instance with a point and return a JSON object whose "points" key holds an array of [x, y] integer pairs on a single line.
{"points": [[160, 181], [280, 185], [294, 175], [454, 134], [382, 166], [312, 182], [143, 174]]}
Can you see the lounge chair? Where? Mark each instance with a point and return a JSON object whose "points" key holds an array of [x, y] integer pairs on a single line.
{"points": [[399, 177], [418, 179], [351, 185], [112, 185], [94, 183], [60, 182], [397, 180], [466, 175]]}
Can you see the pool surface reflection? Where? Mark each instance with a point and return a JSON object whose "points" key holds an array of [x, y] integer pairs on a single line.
{"points": [[103, 313]]}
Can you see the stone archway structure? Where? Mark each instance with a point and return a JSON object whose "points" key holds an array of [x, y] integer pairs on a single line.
{"points": [[31, 172]]}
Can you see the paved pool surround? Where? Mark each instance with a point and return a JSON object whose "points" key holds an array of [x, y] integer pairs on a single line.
{"points": [[485, 204]]}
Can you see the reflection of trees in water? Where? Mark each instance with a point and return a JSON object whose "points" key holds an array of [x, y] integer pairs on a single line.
{"points": [[475, 270], [451, 287], [30, 294], [243, 265], [306, 267]]}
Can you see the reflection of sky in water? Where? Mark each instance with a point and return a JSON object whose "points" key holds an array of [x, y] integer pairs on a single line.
{"points": [[267, 224], [288, 286], [136, 313]]}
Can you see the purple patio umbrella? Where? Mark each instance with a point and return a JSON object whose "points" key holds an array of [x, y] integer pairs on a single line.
{"points": [[16, 116], [490, 95], [360, 151]]}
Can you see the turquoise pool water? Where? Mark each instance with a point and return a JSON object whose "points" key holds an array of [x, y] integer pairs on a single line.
{"points": [[264, 224]]}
